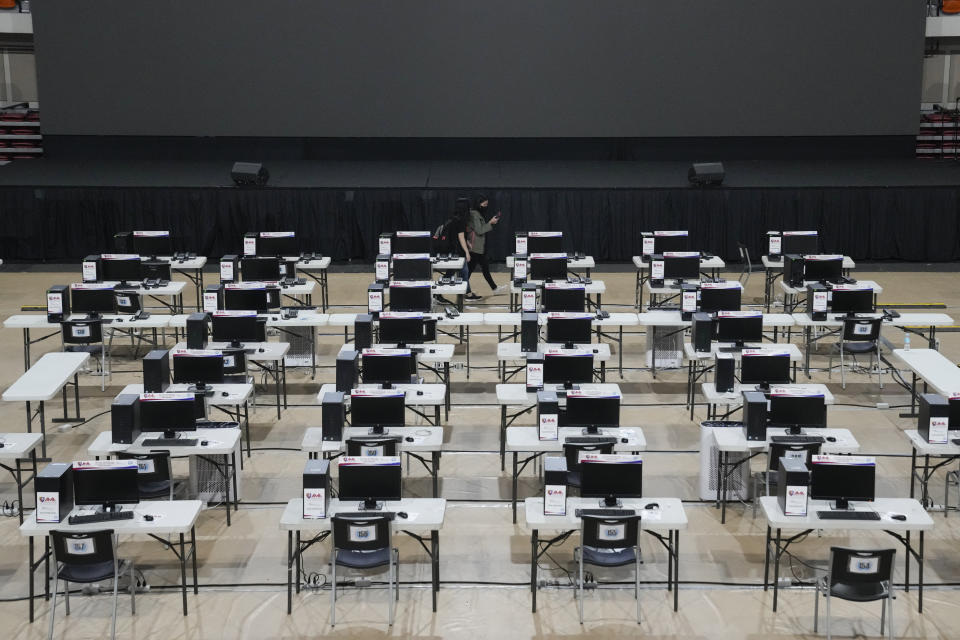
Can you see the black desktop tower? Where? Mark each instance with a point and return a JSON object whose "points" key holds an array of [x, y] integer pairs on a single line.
{"points": [[528, 298], [534, 372], [429, 329], [818, 303], [58, 303], [230, 268], [793, 486], [755, 415], [933, 423], [363, 331], [701, 332], [382, 268], [348, 366], [156, 371], [375, 293], [90, 268], [122, 242], [529, 332], [555, 485], [212, 298], [316, 489], [333, 413], [725, 378], [688, 300], [125, 418], [54, 492], [385, 244], [197, 331], [250, 237], [793, 270], [548, 410]]}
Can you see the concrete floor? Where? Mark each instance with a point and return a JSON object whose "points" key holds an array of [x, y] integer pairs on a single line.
{"points": [[485, 557]]}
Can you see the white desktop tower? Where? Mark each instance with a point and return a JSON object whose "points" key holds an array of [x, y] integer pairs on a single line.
{"points": [[300, 354], [738, 485], [666, 345], [208, 482]]}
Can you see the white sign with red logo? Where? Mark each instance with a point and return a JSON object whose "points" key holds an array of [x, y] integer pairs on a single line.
{"points": [[937, 433], [249, 245], [314, 503], [555, 500], [774, 245], [48, 506], [796, 501], [549, 426]]}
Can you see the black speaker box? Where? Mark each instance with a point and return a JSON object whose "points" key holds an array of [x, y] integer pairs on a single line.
{"points": [[529, 332], [58, 303], [249, 174], [197, 331], [755, 415], [333, 411], [701, 332], [125, 418], [156, 371], [348, 366], [706, 173], [725, 378], [363, 331]]}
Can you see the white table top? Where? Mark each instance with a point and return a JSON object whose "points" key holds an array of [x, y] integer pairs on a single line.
{"points": [[917, 517], [705, 263], [219, 442], [670, 516], [197, 262], [936, 370], [433, 394], [424, 439], [673, 318], [304, 289], [866, 284], [172, 288], [528, 439], [236, 393], [769, 263], [924, 448], [517, 393], [735, 440], [573, 264], [314, 265], [450, 289], [448, 265], [39, 321], [595, 287], [169, 517], [46, 377], [271, 351], [789, 347], [735, 398], [432, 352], [905, 320], [18, 445], [513, 319], [423, 514], [305, 318], [513, 350], [464, 319]]}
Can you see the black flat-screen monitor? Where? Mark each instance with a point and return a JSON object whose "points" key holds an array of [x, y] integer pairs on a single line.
{"points": [[401, 330], [105, 486], [198, 369], [87, 299], [852, 301], [237, 328], [370, 482], [800, 244], [153, 243], [371, 410], [544, 242], [713, 299], [567, 368], [569, 330], [126, 301], [765, 369], [260, 269], [822, 269], [120, 269], [548, 267], [663, 243], [682, 267], [388, 368], [611, 480], [412, 266], [592, 411], [411, 242], [176, 412], [278, 246], [564, 298], [155, 270], [261, 299], [411, 298], [739, 329], [842, 481], [797, 411]]}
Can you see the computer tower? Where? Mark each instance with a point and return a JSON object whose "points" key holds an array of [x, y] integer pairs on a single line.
{"points": [[54, 492], [363, 331], [555, 486], [755, 415], [688, 301], [701, 332], [429, 329], [818, 301], [548, 415], [529, 332], [250, 243], [212, 298], [725, 373], [125, 418], [230, 268], [197, 331], [519, 270], [156, 371], [90, 268], [793, 270], [316, 489], [58, 303], [375, 299], [348, 366], [382, 268], [385, 244], [933, 422], [333, 415], [528, 298], [793, 486], [520, 243], [123, 242], [534, 372]]}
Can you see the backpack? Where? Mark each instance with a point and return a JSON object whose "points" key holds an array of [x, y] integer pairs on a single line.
{"points": [[444, 240]]}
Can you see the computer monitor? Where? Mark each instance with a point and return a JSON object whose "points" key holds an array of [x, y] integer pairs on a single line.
{"points": [[592, 411], [278, 244], [667, 241], [197, 367], [245, 298], [569, 329], [563, 297], [681, 266], [411, 296], [568, 368], [842, 478], [611, 480], [168, 412], [795, 411], [260, 269], [822, 268], [765, 369], [92, 299], [106, 485], [412, 266], [799, 242], [851, 301], [401, 329], [153, 243], [122, 268], [412, 242], [720, 298], [388, 366], [544, 242], [547, 267], [377, 410], [126, 301], [237, 327], [953, 418], [739, 328], [370, 481], [155, 270]]}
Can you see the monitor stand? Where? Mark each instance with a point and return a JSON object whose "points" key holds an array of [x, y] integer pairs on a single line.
{"points": [[736, 348], [201, 387], [93, 315], [109, 507], [841, 504], [610, 502], [591, 430], [569, 345], [377, 430], [795, 430], [678, 283], [764, 387], [569, 386], [386, 385], [369, 504], [123, 284]]}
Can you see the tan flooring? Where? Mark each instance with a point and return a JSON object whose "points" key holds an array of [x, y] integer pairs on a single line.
{"points": [[479, 545]]}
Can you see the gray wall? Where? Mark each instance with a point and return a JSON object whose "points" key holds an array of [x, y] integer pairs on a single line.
{"points": [[462, 68]]}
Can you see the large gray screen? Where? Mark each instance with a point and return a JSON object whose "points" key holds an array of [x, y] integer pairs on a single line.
{"points": [[493, 68]]}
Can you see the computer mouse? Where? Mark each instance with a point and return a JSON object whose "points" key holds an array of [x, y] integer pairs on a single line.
{"points": [[433, 350], [224, 394], [831, 439], [148, 517], [419, 393], [651, 505], [204, 443], [409, 439], [596, 350], [624, 440], [261, 349], [119, 319], [402, 514], [898, 516]]}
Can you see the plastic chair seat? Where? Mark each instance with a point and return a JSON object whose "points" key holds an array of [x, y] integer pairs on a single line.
{"points": [[609, 558], [85, 573], [859, 347], [363, 559], [862, 592]]}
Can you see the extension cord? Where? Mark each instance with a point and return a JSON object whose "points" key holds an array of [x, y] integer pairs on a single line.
{"points": [[783, 582], [543, 584]]}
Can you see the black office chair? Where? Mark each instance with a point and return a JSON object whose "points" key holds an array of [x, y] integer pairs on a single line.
{"points": [[154, 476], [572, 451], [858, 576], [859, 336], [769, 476], [609, 542], [747, 268], [84, 335], [385, 446], [86, 558], [364, 543]]}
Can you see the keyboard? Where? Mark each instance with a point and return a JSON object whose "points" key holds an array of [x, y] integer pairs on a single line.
{"points": [[848, 515], [604, 513], [389, 515], [207, 424], [722, 423], [797, 439], [730, 349], [170, 442], [104, 516], [590, 440]]}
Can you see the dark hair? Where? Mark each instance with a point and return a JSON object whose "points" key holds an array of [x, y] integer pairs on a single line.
{"points": [[480, 198], [461, 207]]}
